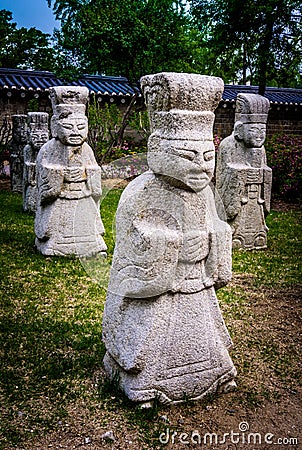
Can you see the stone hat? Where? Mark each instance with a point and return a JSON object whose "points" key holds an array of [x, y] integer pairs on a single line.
{"points": [[19, 119], [69, 99], [37, 120], [251, 108], [181, 105]]}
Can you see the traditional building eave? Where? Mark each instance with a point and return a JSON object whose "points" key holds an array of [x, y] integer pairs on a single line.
{"points": [[276, 96], [118, 89], [36, 82]]}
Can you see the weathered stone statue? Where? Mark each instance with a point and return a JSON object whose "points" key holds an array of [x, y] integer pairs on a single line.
{"points": [[243, 179], [38, 134], [163, 330], [68, 220], [18, 142]]}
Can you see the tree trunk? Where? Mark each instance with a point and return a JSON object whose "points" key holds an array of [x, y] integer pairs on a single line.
{"points": [[264, 53], [244, 65]]}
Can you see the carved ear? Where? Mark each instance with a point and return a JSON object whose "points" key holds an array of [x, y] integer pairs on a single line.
{"points": [[238, 131], [53, 126], [154, 142]]}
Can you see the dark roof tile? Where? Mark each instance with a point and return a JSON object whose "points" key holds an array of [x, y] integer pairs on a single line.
{"points": [[275, 95], [105, 85], [38, 80]]}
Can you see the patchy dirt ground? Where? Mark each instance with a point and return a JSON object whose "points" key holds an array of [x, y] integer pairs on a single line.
{"points": [[265, 411]]}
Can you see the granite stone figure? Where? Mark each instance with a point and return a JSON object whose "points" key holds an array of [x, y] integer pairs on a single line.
{"points": [[243, 179], [68, 220], [162, 327], [17, 144], [38, 135]]}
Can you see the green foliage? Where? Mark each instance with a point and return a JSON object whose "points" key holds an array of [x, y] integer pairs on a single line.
{"points": [[23, 48], [139, 121], [33, 105], [284, 156], [107, 127], [104, 124], [129, 38], [255, 40]]}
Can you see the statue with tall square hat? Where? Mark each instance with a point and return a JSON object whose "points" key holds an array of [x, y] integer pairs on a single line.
{"points": [[37, 135], [68, 220], [243, 179], [163, 330]]}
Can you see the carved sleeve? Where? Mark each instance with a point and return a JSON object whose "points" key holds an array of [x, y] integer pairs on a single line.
{"points": [[267, 187], [218, 265], [146, 256], [50, 183], [148, 242], [93, 171], [231, 191]]}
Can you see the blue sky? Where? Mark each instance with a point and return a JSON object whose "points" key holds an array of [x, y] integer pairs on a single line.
{"points": [[31, 13]]}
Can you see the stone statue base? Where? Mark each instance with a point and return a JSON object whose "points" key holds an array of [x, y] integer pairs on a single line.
{"points": [[74, 228], [184, 349]]}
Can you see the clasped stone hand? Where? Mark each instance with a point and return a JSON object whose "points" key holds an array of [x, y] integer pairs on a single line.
{"points": [[193, 247], [74, 174]]}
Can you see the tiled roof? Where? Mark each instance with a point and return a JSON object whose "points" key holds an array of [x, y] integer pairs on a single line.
{"points": [[42, 81], [275, 95], [35, 80], [104, 85]]}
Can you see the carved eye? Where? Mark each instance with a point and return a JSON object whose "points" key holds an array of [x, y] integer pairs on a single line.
{"points": [[68, 126], [81, 126], [186, 154], [209, 155]]}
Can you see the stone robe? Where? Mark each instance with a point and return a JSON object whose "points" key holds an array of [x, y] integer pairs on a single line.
{"points": [[162, 327]]}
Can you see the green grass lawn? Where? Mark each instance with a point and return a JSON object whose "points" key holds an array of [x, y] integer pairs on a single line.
{"points": [[51, 312]]}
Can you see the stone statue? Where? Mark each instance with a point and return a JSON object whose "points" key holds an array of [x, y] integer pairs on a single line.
{"points": [[38, 134], [163, 330], [243, 179], [68, 220], [17, 145]]}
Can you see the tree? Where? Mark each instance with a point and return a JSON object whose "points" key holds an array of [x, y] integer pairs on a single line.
{"points": [[23, 48], [129, 37], [265, 36]]}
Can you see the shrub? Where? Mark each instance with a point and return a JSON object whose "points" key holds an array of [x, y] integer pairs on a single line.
{"points": [[217, 139], [110, 130], [284, 156]]}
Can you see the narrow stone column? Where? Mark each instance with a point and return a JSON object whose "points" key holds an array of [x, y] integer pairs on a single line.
{"points": [[17, 144], [37, 135]]}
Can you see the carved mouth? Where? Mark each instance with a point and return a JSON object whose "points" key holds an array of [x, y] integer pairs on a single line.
{"points": [[75, 138], [198, 178]]}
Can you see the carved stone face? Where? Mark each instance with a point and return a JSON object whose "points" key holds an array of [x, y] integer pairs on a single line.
{"points": [[253, 134], [190, 162], [38, 138], [72, 130]]}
